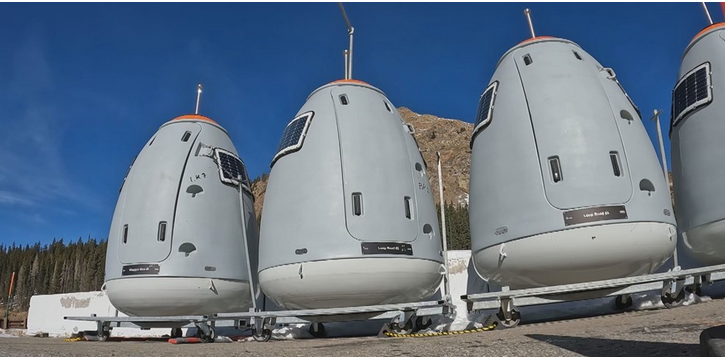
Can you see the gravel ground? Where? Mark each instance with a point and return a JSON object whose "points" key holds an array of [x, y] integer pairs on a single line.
{"points": [[665, 332]]}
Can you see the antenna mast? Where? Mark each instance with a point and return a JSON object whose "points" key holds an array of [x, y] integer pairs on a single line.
{"points": [[527, 12], [198, 98], [709, 18], [348, 54], [656, 118]]}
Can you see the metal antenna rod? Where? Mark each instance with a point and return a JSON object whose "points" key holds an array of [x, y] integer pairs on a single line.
{"points": [[346, 53], [709, 18], [350, 31], [656, 118], [198, 98], [446, 277], [527, 12], [253, 284]]}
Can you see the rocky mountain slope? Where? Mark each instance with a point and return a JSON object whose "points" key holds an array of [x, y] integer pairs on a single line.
{"points": [[450, 137]]}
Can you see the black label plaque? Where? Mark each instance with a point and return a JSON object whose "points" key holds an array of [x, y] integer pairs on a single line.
{"points": [[594, 214], [141, 269], [387, 248]]}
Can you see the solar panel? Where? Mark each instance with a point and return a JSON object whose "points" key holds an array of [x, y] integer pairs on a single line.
{"points": [[485, 108], [231, 168], [293, 136], [691, 92]]}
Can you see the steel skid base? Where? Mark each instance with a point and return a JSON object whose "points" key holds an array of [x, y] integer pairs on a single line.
{"points": [[404, 318], [672, 286], [104, 324]]}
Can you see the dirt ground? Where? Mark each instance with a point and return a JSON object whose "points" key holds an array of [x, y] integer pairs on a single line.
{"points": [[664, 332], [15, 315]]}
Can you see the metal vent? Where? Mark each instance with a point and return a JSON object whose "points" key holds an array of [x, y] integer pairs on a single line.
{"points": [[694, 90], [293, 136], [231, 168], [485, 108]]}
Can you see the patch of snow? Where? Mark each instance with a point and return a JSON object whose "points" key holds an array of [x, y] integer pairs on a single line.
{"points": [[463, 198]]}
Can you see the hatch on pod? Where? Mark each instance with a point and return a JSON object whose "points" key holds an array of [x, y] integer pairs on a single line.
{"points": [[163, 170], [577, 168], [372, 150]]}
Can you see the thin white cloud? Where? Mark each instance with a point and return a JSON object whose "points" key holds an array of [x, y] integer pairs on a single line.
{"points": [[32, 170], [10, 198]]}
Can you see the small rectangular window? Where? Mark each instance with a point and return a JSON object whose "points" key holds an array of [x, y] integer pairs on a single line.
{"points": [[125, 233], [576, 54], [186, 136], [528, 60], [387, 106], [616, 167], [693, 91], [406, 202], [161, 236], [357, 203], [343, 99], [555, 168]]}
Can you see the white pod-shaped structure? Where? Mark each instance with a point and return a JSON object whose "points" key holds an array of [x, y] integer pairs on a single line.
{"points": [[179, 242], [565, 184], [698, 149], [349, 218]]}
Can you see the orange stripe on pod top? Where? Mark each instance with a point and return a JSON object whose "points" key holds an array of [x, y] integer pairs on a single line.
{"points": [[534, 39], [349, 81], [194, 117], [706, 29]]}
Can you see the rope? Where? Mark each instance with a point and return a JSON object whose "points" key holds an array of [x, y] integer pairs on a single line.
{"points": [[490, 327]]}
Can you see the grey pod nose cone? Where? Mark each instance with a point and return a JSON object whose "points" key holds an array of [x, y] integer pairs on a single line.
{"points": [[565, 184], [698, 150], [349, 218], [176, 244]]}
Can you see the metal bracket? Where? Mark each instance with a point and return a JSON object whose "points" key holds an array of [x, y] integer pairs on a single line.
{"points": [[507, 308]]}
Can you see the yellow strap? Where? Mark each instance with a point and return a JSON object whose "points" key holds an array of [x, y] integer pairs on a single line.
{"points": [[444, 333]]}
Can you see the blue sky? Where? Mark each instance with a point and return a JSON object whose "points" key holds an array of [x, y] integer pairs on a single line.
{"points": [[84, 86]]}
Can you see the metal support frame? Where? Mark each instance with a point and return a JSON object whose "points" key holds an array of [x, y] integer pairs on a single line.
{"points": [[265, 320], [424, 308], [669, 284], [104, 324], [507, 308]]}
